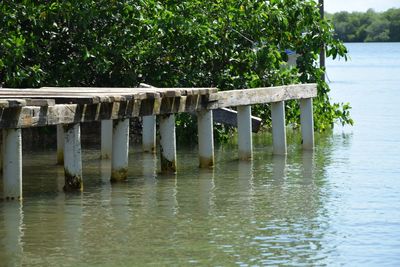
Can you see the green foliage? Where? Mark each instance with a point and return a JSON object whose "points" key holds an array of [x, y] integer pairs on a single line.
{"points": [[228, 44], [367, 27]]}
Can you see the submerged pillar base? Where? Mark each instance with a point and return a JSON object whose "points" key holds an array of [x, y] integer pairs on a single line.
{"points": [[119, 175], [73, 183], [168, 166], [206, 162]]}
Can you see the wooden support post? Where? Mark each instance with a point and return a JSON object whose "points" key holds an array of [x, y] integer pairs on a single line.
{"points": [[278, 128], [72, 157], [120, 150], [168, 143], [206, 138], [106, 139], [12, 164], [244, 132], [307, 123], [60, 144], [149, 133]]}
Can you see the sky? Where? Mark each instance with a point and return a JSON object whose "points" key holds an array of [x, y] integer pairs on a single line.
{"points": [[333, 6]]}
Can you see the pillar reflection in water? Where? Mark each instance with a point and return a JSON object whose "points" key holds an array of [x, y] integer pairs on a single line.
{"points": [[206, 189], [279, 169], [166, 195], [12, 233], [308, 166], [73, 230], [245, 175], [149, 172], [149, 165]]}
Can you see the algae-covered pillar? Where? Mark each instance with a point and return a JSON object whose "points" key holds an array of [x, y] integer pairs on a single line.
{"points": [[206, 138], [12, 164], [120, 150], [72, 157], [149, 133], [168, 143]]}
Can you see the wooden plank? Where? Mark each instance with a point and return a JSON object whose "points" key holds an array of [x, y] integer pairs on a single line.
{"points": [[229, 117], [76, 98], [11, 103], [261, 95], [40, 102], [170, 92], [36, 116]]}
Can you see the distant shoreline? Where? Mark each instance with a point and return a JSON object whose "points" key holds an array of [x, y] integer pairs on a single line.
{"points": [[369, 26]]}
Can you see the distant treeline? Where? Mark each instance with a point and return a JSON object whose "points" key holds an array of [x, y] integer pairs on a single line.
{"points": [[367, 26]]}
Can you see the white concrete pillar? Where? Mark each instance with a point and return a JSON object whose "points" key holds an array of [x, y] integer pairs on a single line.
{"points": [[72, 157], [149, 133], [168, 143], [278, 128], [120, 150], [244, 132], [206, 138], [12, 164], [60, 144], [307, 123], [106, 139]]}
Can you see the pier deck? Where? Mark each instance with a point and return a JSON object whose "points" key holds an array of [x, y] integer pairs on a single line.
{"points": [[67, 107]]}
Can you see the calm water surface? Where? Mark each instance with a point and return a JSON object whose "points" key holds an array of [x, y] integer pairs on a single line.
{"points": [[337, 206]]}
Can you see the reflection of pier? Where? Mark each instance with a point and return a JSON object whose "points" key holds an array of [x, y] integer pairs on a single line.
{"points": [[68, 107], [238, 202]]}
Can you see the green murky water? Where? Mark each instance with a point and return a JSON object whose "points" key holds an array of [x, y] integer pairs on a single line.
{"points": [[271, 210], [336, 206]]}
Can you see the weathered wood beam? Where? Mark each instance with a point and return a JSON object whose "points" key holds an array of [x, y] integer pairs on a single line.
{"points": [[261, 95], [36, 116], [12, 103]]}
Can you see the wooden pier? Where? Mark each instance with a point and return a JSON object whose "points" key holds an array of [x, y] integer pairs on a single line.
{"points": [[70, 106]]}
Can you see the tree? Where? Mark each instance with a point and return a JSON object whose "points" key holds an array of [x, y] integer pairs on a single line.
{"points": [[229, 44], [393, 16], [367, 27]]}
